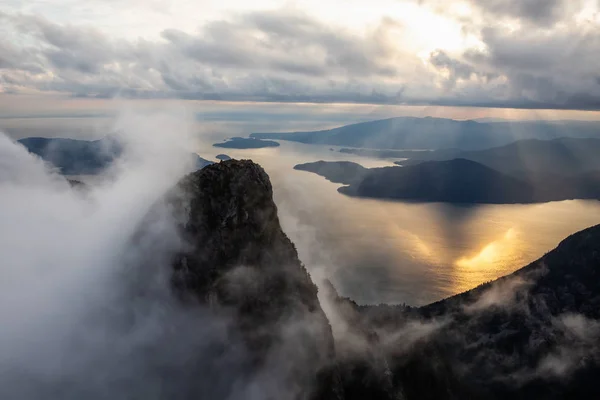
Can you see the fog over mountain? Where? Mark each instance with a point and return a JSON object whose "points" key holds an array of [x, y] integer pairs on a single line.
{"points": [[460, 260], [78, 314], [85, 157], [158, 282], [132, 289]]}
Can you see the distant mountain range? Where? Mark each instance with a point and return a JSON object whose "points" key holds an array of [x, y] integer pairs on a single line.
{"points": [[526, 171], [82, 157], [564, 156], [437, 133]]}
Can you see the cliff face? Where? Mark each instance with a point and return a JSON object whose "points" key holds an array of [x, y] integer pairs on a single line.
{"points": [[533, 334], [238, 261]]}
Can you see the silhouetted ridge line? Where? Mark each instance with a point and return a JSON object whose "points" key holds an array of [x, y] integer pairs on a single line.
{"points": [[436, 133]]}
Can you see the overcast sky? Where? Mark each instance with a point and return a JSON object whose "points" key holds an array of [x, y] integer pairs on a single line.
{"points": [[529, 54]]}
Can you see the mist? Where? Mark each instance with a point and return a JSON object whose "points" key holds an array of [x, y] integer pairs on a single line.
{"points": [[87, 312], [87, 308]]}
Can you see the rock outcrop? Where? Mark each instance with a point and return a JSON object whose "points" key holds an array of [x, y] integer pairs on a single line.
{"points": [[532, 334], [239, 261]]}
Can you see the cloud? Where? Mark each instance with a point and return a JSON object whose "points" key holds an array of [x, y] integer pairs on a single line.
{"points": [[533, 13], [272, 56], [539, 66], [456, 69], [87, 312], [537, 12], [507, 293], [86, 300], [288, 55], [577, 346]]}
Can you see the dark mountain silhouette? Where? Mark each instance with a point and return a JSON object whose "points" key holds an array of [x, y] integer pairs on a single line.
{"points": [[436, 133], [83, 157], [345, 172], [564, 156], [75, 157], [244, 143], [455, 181], [532, 334], [240, 261]]}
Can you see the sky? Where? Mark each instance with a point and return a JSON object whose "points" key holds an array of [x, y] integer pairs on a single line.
{"points": [[493, 54]]}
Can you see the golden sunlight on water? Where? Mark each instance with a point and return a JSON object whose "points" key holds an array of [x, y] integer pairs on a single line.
{"points": [[491, 256], [385, 251]]}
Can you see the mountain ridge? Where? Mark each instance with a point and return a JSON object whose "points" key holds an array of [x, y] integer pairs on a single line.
{"points": [[562, 156], [435, 133], [456, 180], [496, 341], [238, 260], [532, 333]]}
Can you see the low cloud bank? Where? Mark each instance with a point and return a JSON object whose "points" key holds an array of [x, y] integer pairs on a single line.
{"points": [[86, 312]]}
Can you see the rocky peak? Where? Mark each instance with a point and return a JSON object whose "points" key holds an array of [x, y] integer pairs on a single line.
{"points": [[238, 260], [232, 222]]}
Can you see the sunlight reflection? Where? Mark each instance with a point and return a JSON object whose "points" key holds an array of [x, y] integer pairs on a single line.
{"points": [[492, 252], [422, 247]]}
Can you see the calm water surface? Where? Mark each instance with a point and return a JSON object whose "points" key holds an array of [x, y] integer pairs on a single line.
{"points": [[397, 252], [376, 251]]}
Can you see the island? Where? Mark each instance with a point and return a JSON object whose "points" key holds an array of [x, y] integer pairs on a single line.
{"points": [[455, 181], [245, 143], [85, 157], [344, 172], [75, 157], [222, 157]]}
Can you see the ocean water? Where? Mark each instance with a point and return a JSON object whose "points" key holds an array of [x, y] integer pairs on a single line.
{"points": [[378, 251]]}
